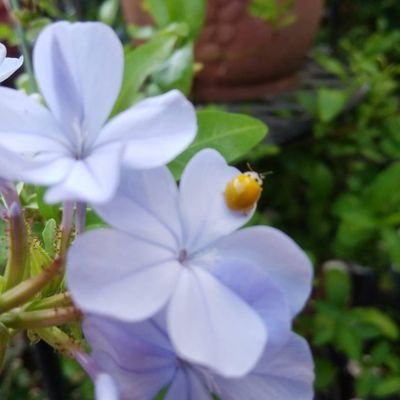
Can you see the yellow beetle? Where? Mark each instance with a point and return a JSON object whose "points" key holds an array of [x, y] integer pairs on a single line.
{"points": [[243, 191]]}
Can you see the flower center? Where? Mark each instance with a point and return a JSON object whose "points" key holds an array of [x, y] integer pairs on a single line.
{"points": [[182, 257]]}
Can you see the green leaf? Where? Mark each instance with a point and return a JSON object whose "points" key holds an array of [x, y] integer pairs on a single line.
{"points": [[389, 386], [330, 103], [140, 63], [108, 11], [49, 236], [337, 285], [233, 135], [378, 319], [177, 71], [391, 243], [349, 342], [47, 211], [381, 195], [191, 12], [159, 11], [325, 373]]}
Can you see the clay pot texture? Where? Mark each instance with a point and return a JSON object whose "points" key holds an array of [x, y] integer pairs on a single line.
{"points": [[244, 57], [4, 16]]}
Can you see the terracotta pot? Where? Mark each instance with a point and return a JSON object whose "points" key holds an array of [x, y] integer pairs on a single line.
{"points": [[4, 16], [244, 57]]}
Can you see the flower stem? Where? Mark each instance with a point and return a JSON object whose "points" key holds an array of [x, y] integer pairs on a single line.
{"points": [[25, 290], [57, 300], [80, 217], [39, 319], [66, 227], [59, 340], [18, 247], [23, 46]]}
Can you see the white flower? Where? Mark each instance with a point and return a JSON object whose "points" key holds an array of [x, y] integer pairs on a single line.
{"points": [[8, 65], [77, 153]]}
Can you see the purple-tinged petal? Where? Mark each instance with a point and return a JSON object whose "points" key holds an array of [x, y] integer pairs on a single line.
{"points": [[210, 325], [250, 283], [93, 179], [12, 165], [3, 52], [24, 119], [155, 130], [149, 202], [9, 66], [187, 386], [283, 375], [137, 355], [278, 255], [46, 169], [115, 275], [205, 215], [79, 69], [105, 388]]}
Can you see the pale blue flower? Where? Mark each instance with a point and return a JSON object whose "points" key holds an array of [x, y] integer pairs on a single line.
{"points": [[8, 65], [178, 249], [141, 361], [77, 153]]}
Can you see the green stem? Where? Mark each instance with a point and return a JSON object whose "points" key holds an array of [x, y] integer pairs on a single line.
{"points": [[18, 247], [39, 319], [23, 46], [57, 300], [24, 291], [59, 340], [66, 227], [4, 339]]}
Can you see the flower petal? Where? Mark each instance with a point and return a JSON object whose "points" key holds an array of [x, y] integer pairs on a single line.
{"points": [[251, 284], [285, 375], [224, 333], [112, 274], [93, 179], [3, 52], [155, 130], [105, 388], [279, 256], [79, 69], [205, 215], [187, 386], [133, 353], [9, 66], [26, 126], [145, 205]]}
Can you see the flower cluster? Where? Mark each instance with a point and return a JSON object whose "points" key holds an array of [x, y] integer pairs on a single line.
{"points": [[174, 294]]}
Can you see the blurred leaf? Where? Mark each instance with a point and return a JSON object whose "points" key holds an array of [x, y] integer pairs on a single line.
{"points": [[323, 329], [233, 135], [365, 383], [167, 11], [177, 71], [382, 194], [332, 65], [389, 386], [349, 342], [391, 242], [48, 211], [325, 373], [108, 11], [379, 319], [337, 285], [139, 64], [49, 236], [330, 103]]}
